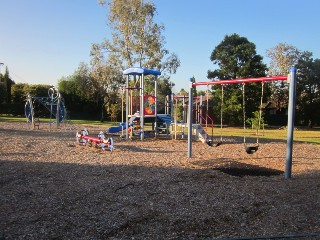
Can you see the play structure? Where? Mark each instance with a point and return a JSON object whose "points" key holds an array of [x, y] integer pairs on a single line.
{"points": [[53, 105], [141, 109], [101, 142], [202, 121], [291, 78]]}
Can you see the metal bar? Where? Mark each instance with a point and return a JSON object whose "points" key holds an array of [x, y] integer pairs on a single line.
{"points": [[156, 106], [122, 111], [290, 128], [184, 110], [142, 107], [190, 120], [127, 108], [58, 109]]}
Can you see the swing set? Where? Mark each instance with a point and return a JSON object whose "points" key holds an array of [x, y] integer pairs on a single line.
{"points": [[291, 78], [249, 148]]}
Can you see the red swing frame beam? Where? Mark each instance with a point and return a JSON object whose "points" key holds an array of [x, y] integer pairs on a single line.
{"points": [[241, 80]]}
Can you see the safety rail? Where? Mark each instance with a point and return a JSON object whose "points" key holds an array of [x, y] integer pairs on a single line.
{"points": [[205, 119]]}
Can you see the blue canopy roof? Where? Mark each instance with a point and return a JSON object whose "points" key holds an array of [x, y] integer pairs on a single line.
{"points": [[139, 71]]}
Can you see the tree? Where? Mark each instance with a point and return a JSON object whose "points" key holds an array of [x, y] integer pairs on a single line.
{"points": [[308, 94], [5, 87], [256, 121], [19, 92], [2, 91], [201, 92], [106, 78], [283, 56], [136, 41], [183, 92], [236, 57], [114, 110], [78, 91]]}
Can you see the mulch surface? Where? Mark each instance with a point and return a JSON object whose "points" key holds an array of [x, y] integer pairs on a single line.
{"points": [[52, 188]]}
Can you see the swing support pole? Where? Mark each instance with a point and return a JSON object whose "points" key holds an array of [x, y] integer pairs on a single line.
{"points": [[290, 126], [190, 106]]}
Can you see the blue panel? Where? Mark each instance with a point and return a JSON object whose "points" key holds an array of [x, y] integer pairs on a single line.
{"points": [[27, 109], [61, 112], [116, 129], [165, 118], [139, 71]]}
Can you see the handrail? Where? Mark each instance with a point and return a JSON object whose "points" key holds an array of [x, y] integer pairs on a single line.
{"points": [[203, 118], [210, 119]]}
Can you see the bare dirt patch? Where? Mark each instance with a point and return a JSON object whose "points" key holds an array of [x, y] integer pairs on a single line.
{"points": [[52, 188]]}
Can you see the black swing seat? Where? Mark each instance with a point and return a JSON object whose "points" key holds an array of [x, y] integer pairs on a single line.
{"points": [[210, 143], [251, 149]]}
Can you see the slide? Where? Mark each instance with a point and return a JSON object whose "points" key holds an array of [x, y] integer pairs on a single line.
{"points": [[165, 118], [116, 129]]}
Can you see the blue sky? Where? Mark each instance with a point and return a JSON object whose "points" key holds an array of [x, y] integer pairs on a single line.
{"points": [[43, 40]]}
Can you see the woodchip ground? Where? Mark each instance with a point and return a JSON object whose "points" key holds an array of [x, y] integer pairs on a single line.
{"points": [[52, 188]]}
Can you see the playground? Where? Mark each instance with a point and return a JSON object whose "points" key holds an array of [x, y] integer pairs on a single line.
{"points": [[52, 187]]}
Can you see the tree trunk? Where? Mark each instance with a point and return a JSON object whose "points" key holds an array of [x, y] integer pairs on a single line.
{"points": [[102, 113]]}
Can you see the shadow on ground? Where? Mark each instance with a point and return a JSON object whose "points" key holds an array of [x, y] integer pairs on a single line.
{"points": [[72, 201]]}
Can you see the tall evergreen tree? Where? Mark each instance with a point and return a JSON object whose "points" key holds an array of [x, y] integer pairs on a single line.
{"points": [[6, 85], [236, 57]]}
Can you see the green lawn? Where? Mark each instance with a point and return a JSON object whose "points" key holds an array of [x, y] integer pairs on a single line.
{"points": [[4, 118], [300, 134]]}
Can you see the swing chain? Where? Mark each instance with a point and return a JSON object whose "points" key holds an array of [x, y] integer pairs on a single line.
{"points": [[244, 112], [221, 112], [260, 111]]}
